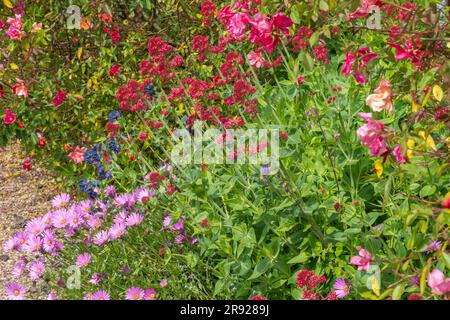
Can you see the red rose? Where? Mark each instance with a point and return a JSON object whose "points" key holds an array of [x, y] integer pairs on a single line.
{"points": [[10, 117], [59, 98], [114, 70]]}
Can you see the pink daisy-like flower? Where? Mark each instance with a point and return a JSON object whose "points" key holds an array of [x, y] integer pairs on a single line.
{"points": [[87, 296], [166, 221], [134, 219], [121, 217], [144, 195], [37, 269], [83, 260], [101, 295], [178, 226], [117, 230], [60, 219], [19, 268], [101, 237], [60, 200], [35, 226], [49, 241], [96, 278], [134, 294], [163, 283], [150, 294], [342, 288], [52, 296], [93, 222], [15, 291], [33, 244], [124, 200]]}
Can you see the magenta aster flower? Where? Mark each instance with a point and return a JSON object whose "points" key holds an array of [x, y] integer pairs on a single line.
{"points": [[342, 288], [49, 242], [134, 219], [60, 219], [96, 278], [166, 221], [117, 230], [150, 294], [15, 291], [178, 226], [60, 200], [144, 195], [100, 295], [19, 268], [101, 237], [35, 226], [37, 269], [33, 244], [52, 296], [93, 222], [134, 294], [87, 296], [121, 217], [433, 246], [163, 283], [83, 260], [124, 200], [110, 191]]}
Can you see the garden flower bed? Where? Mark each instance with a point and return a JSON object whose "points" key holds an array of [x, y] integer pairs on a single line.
{"points": [[231, 149]]}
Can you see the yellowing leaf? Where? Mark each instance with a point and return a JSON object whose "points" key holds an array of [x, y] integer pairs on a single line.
{"points": [[438, 94], [8, 3], [79, 52], [430, 143], [379, 167], [410, 144], [375, 285], [414, 106], [427, 97]]}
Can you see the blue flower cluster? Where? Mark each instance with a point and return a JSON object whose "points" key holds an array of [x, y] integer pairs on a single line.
{"points": [[113, 146], [88, 187], [113, 115], [92, 156]]}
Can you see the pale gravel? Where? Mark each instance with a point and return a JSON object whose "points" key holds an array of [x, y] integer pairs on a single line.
{"points": [[23, 196]]}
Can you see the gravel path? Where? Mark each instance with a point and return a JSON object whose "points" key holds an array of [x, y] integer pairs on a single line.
{"points": [[23, 195]]}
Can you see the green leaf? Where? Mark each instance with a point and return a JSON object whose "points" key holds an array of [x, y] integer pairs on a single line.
{"points": [[427, 191], [301, 258], [260, 269], [398, 291]]}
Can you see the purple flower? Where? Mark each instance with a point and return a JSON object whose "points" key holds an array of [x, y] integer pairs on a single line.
{"points": [[110, 191], [163, 283], [180, 238], [15, 291], [19, 268], [60, 219], [433, 246], [134, 219], [33, 244], [342, 288], [124, 200], [83, 260], [100, 295], [150, 294], [117, 230], [166, 221], [134, 294], [60, 200], [52, 296], [96, 278], [178, 226], [49, 241], [101, 237], [37, 269]]}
